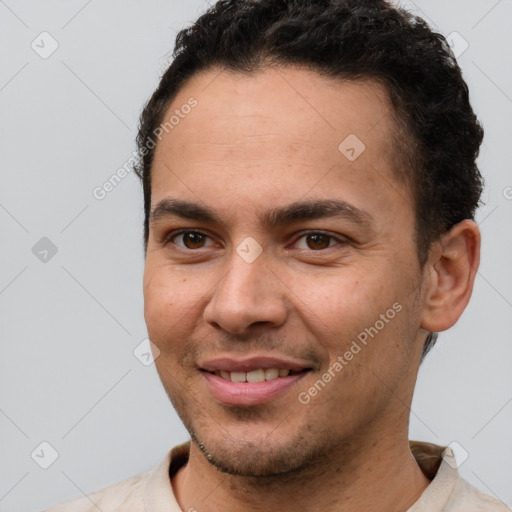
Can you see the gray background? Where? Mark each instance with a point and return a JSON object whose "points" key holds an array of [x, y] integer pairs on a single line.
{"points": [[70, 321]]}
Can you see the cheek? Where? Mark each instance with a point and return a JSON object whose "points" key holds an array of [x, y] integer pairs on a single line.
{"points": [[339, 305], [344, 315], [167, 298]]}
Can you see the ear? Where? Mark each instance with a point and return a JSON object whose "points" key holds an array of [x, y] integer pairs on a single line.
{"points": [[450, 274]]}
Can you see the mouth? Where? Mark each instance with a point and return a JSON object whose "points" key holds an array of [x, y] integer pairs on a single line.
{"points": [[252, 381], [259, 375]]}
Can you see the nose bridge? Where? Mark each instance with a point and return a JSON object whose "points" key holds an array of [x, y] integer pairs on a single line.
{"points": [[247, 280], [248, 293]]}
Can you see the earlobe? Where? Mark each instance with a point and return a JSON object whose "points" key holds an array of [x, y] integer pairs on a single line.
{"points": [[450, 275]]}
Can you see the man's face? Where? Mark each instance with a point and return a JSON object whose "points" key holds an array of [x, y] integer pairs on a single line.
{"points": [[335, 298]]}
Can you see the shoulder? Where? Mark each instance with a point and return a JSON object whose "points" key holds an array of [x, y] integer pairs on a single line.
{"points": [[126, 495], [448, 491], [467, 498], [148, 490]]}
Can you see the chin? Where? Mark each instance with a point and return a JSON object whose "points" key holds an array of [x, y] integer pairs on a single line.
{"points": [[248, 445], [261, 457]]}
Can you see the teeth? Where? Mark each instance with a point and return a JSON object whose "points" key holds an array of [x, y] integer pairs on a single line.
{"points": [[255, 375], [238, 376], [271, 373]]}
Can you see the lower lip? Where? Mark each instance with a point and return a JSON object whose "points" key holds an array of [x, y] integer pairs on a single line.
{"points": [[249, 393]]}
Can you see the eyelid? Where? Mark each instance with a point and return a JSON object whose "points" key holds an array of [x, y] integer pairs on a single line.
{"points": [[173, 234], [339, 238]]}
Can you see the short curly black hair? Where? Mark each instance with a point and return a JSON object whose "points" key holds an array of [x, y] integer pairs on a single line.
{"points": [[438, 135]]}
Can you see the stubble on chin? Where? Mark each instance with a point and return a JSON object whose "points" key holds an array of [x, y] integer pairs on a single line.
{"points": [[266, 459]]}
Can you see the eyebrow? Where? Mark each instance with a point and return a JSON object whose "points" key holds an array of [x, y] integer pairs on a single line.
{"points": [[317, 209], [275, 217]]}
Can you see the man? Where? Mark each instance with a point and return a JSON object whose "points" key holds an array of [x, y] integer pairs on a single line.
{"points": [[310, 183]]}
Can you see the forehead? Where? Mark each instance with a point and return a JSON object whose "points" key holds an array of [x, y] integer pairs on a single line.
{"points": [[277, 132]]}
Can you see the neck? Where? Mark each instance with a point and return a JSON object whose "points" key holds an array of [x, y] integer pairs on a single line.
{"points": [[376, 476]]}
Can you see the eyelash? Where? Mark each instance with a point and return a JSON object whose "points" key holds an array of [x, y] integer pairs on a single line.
{"points": [[172, 236]]}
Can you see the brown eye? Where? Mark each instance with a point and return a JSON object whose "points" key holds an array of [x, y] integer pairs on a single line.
{"points": [[190, 240], [318, 241], [193, 240]]}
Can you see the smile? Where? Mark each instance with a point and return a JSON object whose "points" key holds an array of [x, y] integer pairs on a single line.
{"points": [[255, 375], [246, 389]]}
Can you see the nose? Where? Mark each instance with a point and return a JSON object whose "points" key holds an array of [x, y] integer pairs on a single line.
{"points": [[249, 296]]}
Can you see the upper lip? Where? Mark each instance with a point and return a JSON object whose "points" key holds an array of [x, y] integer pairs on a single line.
{"points": [[248, 364]]}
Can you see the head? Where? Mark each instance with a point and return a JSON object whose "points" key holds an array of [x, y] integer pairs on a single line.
{"points": [[348, 119]]}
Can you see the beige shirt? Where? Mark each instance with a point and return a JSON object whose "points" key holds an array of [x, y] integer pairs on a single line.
{"points": [[151, 491]]}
